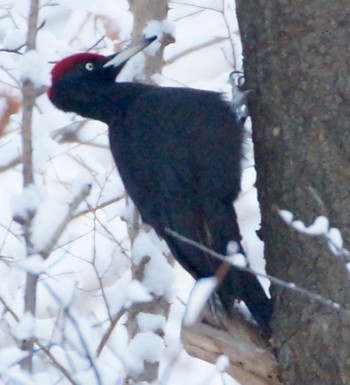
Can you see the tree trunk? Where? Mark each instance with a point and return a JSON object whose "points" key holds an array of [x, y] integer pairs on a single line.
{"points": [[143, 12], [296, 59]]}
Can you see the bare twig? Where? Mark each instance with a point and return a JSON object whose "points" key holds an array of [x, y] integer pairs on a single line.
{"points": [[53, 359], [227, 24], [196, 48], [80, 335], [79, 197], [109, 331], [69, 133], [13, 50], [202, 7], [98, 207], [96, 44], [276, 281], [14, 315], [10, 164]]}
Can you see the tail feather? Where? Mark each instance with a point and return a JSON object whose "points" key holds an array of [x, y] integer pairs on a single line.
{"points": [[251, 292], [215, 234]]}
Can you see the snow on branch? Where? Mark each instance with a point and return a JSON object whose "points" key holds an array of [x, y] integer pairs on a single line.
{"points": [[201, 293], [47, 219], [82, 338], [81, 193], [276, 281], [319, 228]]}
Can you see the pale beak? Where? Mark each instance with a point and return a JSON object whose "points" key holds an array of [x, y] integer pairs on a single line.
{"points": [[125, 54]]}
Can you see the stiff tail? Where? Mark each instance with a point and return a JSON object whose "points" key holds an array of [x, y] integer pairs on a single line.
{"points": [[249, 290], [236, 285], [219, 227]]}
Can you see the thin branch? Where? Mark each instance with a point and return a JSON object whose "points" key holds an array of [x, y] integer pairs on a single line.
{"points": [[96, 44], [10, 164], [195, 48], [69, 133], [61, 368], [13, 50], [98, 207], [277, 281], [109, 331], [81, 337], [7, 308], [202, 7], [80, 196], [229, 34]]}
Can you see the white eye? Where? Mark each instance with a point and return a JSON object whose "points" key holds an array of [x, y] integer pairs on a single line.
{"points": [[89, 66]]}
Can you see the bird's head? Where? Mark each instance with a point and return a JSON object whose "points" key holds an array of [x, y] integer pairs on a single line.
{"points": [[81, 71]]}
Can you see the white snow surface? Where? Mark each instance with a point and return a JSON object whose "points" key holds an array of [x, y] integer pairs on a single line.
{"points": [[335, 241], [14, 39], [34, 67], [158, 274], [146, 346], [238, 260], [33, 264], [286, 215], [222, 363], [48, 217], [150, 322], [26, 327], [25, 205]]}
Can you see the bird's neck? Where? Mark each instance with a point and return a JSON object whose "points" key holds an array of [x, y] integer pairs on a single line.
{"points": [[108, 103]]}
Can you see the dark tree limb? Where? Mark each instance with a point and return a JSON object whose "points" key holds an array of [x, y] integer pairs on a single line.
{"points": [[251, 359]]}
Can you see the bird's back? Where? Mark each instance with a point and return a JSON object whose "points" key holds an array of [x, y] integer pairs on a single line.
{"points": [[178, 152]]}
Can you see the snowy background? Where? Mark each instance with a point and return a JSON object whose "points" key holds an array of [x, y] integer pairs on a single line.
{"points": [[85, 281]]}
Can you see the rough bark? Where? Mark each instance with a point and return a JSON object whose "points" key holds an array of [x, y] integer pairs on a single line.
{"points": [[295, 58]]}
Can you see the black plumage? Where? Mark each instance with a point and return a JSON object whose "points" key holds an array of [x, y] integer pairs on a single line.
{"points": [[178, 151]]}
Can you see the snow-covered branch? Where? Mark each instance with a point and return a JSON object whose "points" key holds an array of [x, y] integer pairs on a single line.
{"points": [[82, 192], [276, 281]]}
